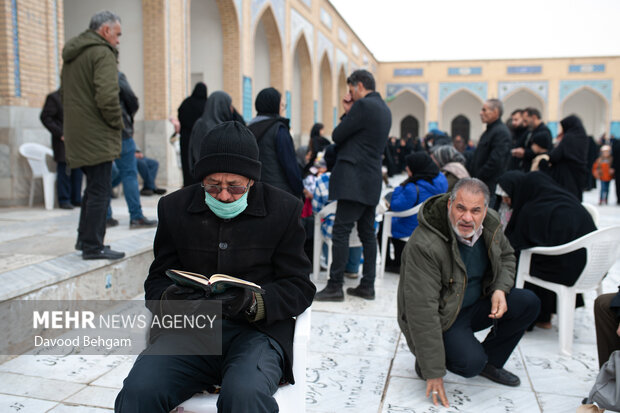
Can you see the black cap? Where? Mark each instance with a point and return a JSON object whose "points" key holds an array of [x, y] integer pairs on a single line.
{"points": [[229, 147]]}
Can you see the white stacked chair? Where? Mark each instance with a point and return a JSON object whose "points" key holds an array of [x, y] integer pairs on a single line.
{"points": [[36, 154], [602, 251]]}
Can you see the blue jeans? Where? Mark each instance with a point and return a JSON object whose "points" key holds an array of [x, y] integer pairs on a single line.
{"points": [[147, 168], [604, 190], [128, 173]]}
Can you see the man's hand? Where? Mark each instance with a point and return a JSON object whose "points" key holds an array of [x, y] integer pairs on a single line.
{"points": [[139, 155], [347, 102], [235, 301], [618, 330], [435, 388], [177, 292], [498, 304], [518, 152]]}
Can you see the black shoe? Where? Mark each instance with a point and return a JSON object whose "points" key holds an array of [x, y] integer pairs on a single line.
{"points": [[584, 401], [111, 222], [330, 293], [65, 206], [142, 223], [104, 254], [418, 371], [500, 376], [392, 268], [361, 291], [79, 246], [146, 192], [160, 191], [76, 204]]}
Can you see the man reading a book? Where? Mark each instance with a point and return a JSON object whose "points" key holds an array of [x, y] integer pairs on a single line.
{"points": [[229, 224]]}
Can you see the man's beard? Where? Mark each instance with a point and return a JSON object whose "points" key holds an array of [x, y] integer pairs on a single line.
{"points": [[455, 228]]}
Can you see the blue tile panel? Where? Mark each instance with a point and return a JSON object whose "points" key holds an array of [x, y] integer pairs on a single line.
{"points": [[288, 104], [477, 88], [540, 88], [604, 87], [393, 89], [586, 68], [316, 111], [464, 71], [527, 70], [335, 117], [409, 72], [614, 129], [553, 127], [433, 125], [247, 98], [16, 69]]}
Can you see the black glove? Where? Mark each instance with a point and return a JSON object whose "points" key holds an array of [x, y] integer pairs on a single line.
{"points": [[177, 292], [235, 302]]}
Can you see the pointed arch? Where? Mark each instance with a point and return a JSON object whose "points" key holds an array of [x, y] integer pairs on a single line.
{"points": [[215, 46], [522, 98], [302, 110], [465, 103], [591, 107], [326, 98], [268, 54], [407, 103]]}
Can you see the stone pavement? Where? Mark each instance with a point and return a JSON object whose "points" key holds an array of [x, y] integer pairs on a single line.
{"points": [[358, 360]]}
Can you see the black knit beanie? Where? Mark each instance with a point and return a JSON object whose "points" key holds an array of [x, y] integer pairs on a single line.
{"points": [[268, 102], [229, 147]]}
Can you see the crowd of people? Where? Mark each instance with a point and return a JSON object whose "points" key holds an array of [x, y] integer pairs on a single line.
{"points": [[247, 193]]}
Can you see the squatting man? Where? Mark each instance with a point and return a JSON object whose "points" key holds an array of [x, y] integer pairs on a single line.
{"points": [[232, 224], [456, 278]]}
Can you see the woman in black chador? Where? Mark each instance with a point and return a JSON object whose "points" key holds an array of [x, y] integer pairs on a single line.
{"points": [[190, 110], [543, 214], [568, 161]]}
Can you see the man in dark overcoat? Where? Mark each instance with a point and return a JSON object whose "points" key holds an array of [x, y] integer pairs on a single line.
{"points": [[355, 182], [492, 155], [68, 181], [235, 225]]}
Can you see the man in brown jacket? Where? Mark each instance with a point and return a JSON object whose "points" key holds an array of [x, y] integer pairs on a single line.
{"points": [[93, 124]]}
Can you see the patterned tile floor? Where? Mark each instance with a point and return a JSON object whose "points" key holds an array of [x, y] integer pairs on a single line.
{"points": [[357, 360]]}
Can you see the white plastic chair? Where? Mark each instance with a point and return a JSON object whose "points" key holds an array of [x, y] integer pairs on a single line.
{"points": [[387, 231], [319, 239], [592, 211], [35, 153], [601, 252], [290, 398]]}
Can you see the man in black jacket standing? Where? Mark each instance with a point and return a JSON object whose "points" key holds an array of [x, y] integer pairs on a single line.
{"points": [[492, 154], [68, 182], [536, 129], [355, 182]]}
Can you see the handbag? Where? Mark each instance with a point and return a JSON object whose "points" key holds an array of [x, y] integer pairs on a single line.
{"points": [[606, 390]]}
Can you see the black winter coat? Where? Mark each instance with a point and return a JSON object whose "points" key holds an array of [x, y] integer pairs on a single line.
{"points": [[360, 140], [492, 154], [129, 105], [52, 118], [264, 244]]}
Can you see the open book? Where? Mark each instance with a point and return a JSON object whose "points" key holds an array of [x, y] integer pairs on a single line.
{"points": [[215, 284]]}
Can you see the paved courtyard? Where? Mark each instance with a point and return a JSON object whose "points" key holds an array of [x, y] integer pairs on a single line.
{"points": [[358, 360]]}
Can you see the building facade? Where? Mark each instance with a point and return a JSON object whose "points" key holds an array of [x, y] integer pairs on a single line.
{"points": [[448, 95], [304, 48]]}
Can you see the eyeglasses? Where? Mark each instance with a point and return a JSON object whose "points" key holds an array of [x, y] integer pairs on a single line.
{"points": [[232, 189]]}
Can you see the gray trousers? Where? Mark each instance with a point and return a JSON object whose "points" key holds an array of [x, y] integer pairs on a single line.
{"points": [[249, 371]]}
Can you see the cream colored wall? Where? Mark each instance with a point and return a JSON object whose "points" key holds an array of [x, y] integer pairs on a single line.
{"points": [[554, 71]]}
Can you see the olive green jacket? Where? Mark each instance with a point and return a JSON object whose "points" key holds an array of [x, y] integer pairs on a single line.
{"points": [[433, 280], [90, 96]]}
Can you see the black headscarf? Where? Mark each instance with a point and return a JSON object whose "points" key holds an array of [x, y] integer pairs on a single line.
{"points": [[217, 110], [544, 214], [422, 167], [192, 108], [268, 102]]}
